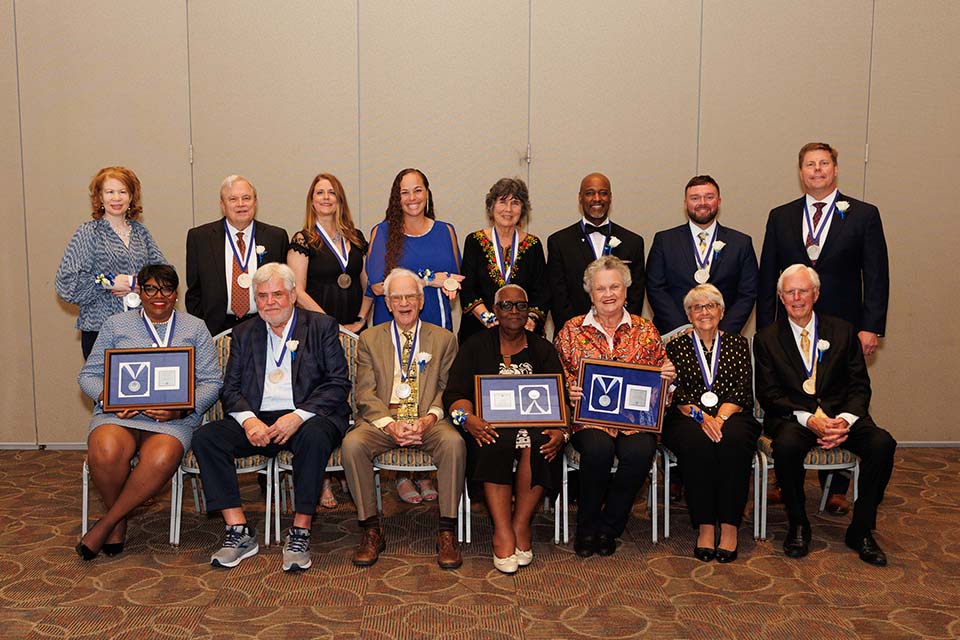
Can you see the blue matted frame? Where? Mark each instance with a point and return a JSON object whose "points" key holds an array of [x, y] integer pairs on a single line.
{"points": [[154, 378], [621, 395], [521, 401]]}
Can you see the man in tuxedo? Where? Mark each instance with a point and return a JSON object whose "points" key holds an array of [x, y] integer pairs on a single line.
{"points": [[843, 239], [571, 249], [813, 386], [698, 252], [222, 255], [285, 388], [402, 371]]}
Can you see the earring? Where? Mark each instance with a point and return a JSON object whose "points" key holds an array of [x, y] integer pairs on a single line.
{"points": [[101, 209]]}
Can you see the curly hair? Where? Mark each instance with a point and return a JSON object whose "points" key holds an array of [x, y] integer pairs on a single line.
{"points": [[344, 220], [509, 188], [394, 218], [129, 180]]}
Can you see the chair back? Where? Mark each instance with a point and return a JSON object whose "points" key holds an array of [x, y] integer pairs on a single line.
{"points": [[679, 331], [221, 342], [349, 340]]}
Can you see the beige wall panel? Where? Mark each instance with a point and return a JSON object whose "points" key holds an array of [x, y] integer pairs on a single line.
{"points": [[16, 392], [273, 98], [614, 90], [99, 86], [777, 75], [443, 87], [911, 176]]}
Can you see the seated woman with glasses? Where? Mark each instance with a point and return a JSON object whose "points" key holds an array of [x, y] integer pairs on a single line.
{"points": [[710, 427], [507, 349], [159, 436]]}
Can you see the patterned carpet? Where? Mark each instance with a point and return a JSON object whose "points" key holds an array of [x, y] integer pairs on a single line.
{"points": [[155, 591]]}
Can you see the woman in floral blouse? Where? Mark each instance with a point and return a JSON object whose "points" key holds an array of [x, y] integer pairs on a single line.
{"points": [[503, 254], [608, 332]]}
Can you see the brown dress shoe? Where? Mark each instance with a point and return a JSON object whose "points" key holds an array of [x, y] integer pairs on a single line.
{"points": [[368, 551], [448, 550], [837, 505]]}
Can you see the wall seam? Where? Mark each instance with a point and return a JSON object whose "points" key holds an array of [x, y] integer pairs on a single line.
{"points": [[699, 91], [529, 150], [193, 185], [360, 210], [866, 128]]}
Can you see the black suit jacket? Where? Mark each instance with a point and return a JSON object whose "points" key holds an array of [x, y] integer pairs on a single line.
{"points": [[843, 385], [853, 267], [568, 256], [321, 380], [206, 279], [670, 267]]}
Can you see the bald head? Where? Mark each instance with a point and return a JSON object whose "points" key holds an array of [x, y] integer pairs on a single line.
{"points": [[595, 197]]}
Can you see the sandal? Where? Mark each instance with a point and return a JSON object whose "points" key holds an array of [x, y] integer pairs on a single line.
{"points": [[327, 499], [407, 491], [429, 494]]}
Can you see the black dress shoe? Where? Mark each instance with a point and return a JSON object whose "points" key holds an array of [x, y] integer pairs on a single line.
{"points": [[606, 544], [870, 552], [112, 548], [585, 545], [724, 556], [704, 554], [797, 543], [86, 553]]}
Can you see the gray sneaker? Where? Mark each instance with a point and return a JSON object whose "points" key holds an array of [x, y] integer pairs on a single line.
{"points": [[239, 543], [296, 550]]}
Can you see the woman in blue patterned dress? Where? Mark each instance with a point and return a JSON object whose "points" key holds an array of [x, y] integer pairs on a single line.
{"points": [[115, 244], [159, 436]]}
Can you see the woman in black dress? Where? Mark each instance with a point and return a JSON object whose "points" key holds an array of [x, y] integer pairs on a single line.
{"points": [[503, 254], [507, 349]]}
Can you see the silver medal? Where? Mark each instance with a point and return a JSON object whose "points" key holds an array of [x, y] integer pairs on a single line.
{"points": [[451, 284], [701, 275], [709, 399], [276, 376], [603, 401], [132, 300], [244, 280], [813, 251], [134, 386], [810, 386], [403, 391]]}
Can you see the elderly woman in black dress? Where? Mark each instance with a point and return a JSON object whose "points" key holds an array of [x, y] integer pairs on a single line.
{"points": [[507, 349], [709, 427]]}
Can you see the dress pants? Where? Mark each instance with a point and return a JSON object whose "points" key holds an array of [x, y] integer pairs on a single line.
{"points": [[365, 442], [874, 446], [716, 474], [217, 444], [606, 499]]}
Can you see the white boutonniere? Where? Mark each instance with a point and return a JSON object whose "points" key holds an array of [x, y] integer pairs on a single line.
{"points": [[842, 207], [292, 347], [717, 246], [261, 251], [822, 345], [422, 359], [613, 242]]}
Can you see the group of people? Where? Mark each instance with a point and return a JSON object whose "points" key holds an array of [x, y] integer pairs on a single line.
{"points": [[286, 382]]}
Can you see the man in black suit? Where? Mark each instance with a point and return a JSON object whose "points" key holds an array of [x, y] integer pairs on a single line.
{"points": [[570, 250], [813, 386], [219, 265], [843, 239], [697, 252], [285, 388]]}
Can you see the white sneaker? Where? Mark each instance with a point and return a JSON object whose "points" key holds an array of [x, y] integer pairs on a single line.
{"points": [[296, 550], [239, 543]]}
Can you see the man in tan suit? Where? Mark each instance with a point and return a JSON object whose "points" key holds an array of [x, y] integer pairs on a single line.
{"points": [[401, 374]]}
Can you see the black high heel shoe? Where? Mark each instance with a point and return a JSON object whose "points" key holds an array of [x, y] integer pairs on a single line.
{"points": [[704, 554], [112, 548], [724, 556], [85, 553]]}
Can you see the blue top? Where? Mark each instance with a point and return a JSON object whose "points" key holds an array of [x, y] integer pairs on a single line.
{"points": [[436, 250], [95, 248]]}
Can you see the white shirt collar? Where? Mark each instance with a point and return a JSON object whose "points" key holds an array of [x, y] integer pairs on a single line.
{"points": [[830, 198], [695, 230], [590, 226], [591, 320]]}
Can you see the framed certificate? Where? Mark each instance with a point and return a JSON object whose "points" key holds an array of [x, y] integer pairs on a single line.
{"points": [[521, 401], [621, 395], [155, 378]]}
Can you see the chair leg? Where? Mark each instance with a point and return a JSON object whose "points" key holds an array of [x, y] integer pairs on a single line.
{"points": [[269, 502], [174, 484], [666, 496], [278, 498], [376, 482], [856, 481], [826, 491], [85, 500], [653, 499], [756, 498], [565, 492], [764, 493]]}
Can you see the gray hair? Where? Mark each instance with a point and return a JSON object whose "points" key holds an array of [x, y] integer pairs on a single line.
{"points": [[612, 263], [798, 268], [229, 180], [507, 287], [509, 187], [706, 292], [399, 272], [275, 270]]}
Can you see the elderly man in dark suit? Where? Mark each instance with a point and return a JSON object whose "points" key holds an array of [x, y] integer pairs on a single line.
{"points": [[285, 388], [698, 252], [571, 249], [402, 369], [222, 256], [813, 385], [843, 239]]}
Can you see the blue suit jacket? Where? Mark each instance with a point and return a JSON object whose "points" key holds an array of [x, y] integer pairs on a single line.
{"points": [[853, 266], [670, 269], [321, 379]]}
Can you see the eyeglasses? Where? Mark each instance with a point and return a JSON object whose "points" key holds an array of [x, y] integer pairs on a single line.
{"points": [[509, 305], [150, 291], [404, 297], [709, 306], [797, 293]]}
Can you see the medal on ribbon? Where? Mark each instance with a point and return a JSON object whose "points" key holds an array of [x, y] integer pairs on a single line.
{"points": [[404, 390], [152, 330], [702, 274], [244, 279], [813, 251], [344, 279], [708, 370], [810, 384], [278, 374], [506, 271]]}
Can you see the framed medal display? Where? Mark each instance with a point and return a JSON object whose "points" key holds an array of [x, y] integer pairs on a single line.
{"points": [[158, 378], [621, 395], [521, 401]]}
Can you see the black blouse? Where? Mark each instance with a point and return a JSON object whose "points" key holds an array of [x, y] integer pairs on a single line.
{"points": [[323, 270], [732, 383]]}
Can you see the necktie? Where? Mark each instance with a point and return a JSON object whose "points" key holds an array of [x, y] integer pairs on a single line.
{"points": [[239, 297], [703, 241], [817, 216], [805, 344], [405, 352]]}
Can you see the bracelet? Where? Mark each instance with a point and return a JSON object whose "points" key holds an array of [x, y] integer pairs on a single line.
{"points": [[458, 417]]}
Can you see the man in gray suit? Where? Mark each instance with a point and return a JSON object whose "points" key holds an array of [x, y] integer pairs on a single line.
{"points": [[401, 374]]}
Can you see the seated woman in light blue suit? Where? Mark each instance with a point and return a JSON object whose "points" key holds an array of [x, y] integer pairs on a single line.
{"points": [[160, 436]]}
